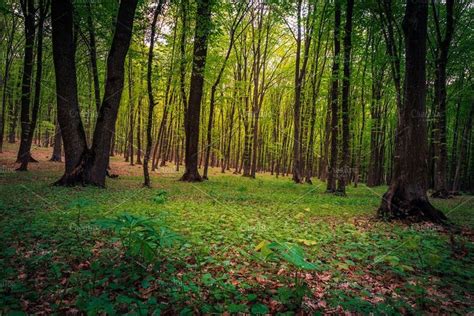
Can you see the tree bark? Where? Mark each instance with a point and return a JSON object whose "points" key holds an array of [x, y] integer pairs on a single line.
{"points": [[193, 112], [331, 180], [151, 101], [56, 156], [28, 9], [345, 170], [441, 159], [26, 158], [85, 166], [406, 197]]}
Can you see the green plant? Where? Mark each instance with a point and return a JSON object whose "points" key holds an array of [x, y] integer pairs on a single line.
{"points": [[295, 256], [138, 235]]}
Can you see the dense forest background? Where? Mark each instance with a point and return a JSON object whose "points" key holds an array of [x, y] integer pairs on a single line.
{"points": [[267, 85], [236, 157]]}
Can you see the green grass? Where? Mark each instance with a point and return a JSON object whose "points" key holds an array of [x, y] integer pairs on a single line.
{"points": [[54, 257]]}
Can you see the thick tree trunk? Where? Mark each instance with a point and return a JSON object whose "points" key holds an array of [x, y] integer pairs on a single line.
{"points": [[332, 172], [70, 124], [406, 196], [97, 171], [193, 112], [85, 166]]}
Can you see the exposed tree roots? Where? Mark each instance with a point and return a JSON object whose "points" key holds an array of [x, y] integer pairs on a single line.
{"points": [[191, 177], [395, 206], [441, 194]]}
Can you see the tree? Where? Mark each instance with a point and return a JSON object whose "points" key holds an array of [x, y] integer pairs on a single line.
{"points": [[406, 196], [344, 167], [83, 165], [28, 10], [26, 157], [331, 181], [193, 111], [151, 101], [441, 160], [241, 11], [300, 73]]}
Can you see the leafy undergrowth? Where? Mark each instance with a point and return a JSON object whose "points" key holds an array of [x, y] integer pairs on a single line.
{"points": [[228, 245]]}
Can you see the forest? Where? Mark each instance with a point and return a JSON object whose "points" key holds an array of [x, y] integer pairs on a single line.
{"points": [[261, 157]]}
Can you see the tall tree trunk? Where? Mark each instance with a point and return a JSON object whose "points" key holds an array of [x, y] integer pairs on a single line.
{"points": [[238, 18], [85, 166], [43, 9], [441, 159], [332, 172], [193, 112], [70, 124], [28, 9], [344, 172], [462, 161], [93, 56], [406, 196], [6, 76], [131, 119], [151, 101], [297, 166]]}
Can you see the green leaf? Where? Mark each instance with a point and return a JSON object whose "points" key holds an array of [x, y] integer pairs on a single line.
{"points": [[259, 309]]}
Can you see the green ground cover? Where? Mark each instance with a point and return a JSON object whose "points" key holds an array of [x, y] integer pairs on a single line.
{"points": [[227, 245]]}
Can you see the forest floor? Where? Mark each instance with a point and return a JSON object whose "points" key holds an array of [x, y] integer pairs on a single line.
{"points": [[227, 245]]}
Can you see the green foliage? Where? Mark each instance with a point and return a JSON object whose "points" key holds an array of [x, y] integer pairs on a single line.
{"points": [[327, 250], [139, 236]]}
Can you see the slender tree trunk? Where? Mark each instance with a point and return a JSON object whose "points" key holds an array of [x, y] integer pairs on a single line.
{"points": [[28, 9], [331, 181], [93, 56], [6, 76], [297, 167], [43, 8], [462, 160], [234, 26], [151, 101], [406, 196], [345, 170], [193, 112], [131, 119], [441, 159]]}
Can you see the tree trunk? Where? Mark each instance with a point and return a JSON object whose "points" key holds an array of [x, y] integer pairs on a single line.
{"points": [[462, 160], [193, 112], [441, 159], [332, 172], [85, 166], [43, 8], [56, 156], [151, 101], [93, 56], [70, 124], [28, 10], [406, 196], [345, 170]]}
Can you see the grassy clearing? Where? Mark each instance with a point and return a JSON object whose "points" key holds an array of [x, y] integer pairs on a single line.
{"points": [[210, 249]]}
